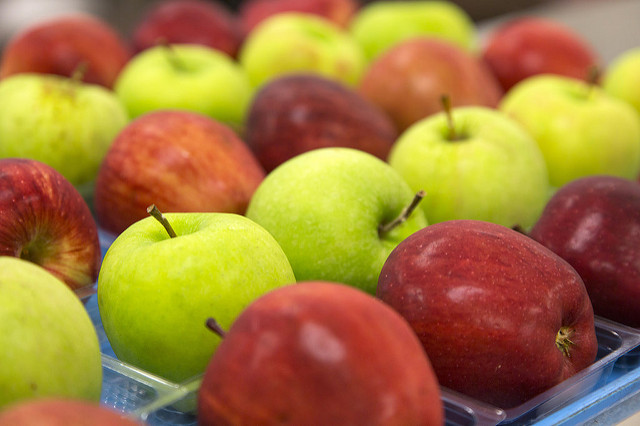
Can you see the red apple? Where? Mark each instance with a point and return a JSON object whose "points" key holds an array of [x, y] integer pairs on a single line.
{"points": [[61, 44], [207, 23], [297, 113], [594, 224], [44, 219], [62, 412], [319, 353], [501, 317], [528, 46], [408, 80], [181, 161]]}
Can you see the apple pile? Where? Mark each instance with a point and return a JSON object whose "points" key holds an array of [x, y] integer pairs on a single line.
{"points": [[325, 209]]}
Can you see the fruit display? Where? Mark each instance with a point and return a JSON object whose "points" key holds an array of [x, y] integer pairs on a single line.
{"points": [[318, 212]]}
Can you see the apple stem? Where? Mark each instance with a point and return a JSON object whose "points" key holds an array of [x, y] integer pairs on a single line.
{"points": [[157, 214], [214, 326], [172, 56], [79, 72], [445, 100], [404, 214], [563, 340], [593, 78]]}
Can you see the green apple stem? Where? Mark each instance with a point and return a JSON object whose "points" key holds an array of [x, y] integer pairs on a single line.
{"points": [[383, 228], [214, 326], [445, 100], [563, 340], [172, 56], [79, 72], [157, 214], [593, 78]]}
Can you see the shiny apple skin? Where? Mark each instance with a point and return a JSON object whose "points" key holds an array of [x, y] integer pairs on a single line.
{"points": [[44, 219], [594, 224], [487, 303]]}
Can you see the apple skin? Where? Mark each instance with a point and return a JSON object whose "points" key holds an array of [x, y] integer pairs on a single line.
{"points": [[62, 412], [594, 224], [324, 207], [189, 21], [487, 303], [620, 77], [180, 161], [580, 129], [49, 344], [528, 46], [417, 72], [45, 220], [59, 45], [293, 114], [319, 353]]}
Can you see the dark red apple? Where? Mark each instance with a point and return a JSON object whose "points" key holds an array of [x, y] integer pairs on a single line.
{"points": [[528, 46], [63, 44], [44, 219], [594, 224], [408, 80], [181, 161], [319, 353], [297, 113], [208, 23], [501, 317]]}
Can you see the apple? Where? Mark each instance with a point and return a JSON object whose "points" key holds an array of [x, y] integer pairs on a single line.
{"points": [[185, 76], [253, 12], [62, 122], [180, 160], [417, 72], [60, 44], [580, 129], [293, 114], [62, 412], [208, 23], [620, 78], [319, 353], [379, 25], [329, 209], [527, 46], [45, 220], [157, 286], [294, 42], [501, 317], [473, 163], [594, 224], [49, 345]]}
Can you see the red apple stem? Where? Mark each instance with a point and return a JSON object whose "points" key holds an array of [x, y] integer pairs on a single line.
{"points": [[404, 214], [445, 100], [563, 340], [157, 214], [214, 326]]}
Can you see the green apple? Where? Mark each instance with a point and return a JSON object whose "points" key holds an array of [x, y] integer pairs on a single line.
{"points": [[581, 129], [475, 163], [327, 209], [59, 121], [155, 292], [621, 77], [49, 345], [379, 25], [188, 77], [292, 42]]}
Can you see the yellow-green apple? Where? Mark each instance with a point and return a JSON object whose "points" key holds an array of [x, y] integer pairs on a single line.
{"points": [[156, 290], [63, 412], [580, 129], [473, 163], [180, 160], [62, 122], [380, 25], [49, 344], [293, 114], [299, 42], [620, 79], [185, 76], [45, 220], [501, 317], [319, 353], [527, 46], [62, 44], [594, 224], [417, 72], [208, 23], [328, 209]]}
